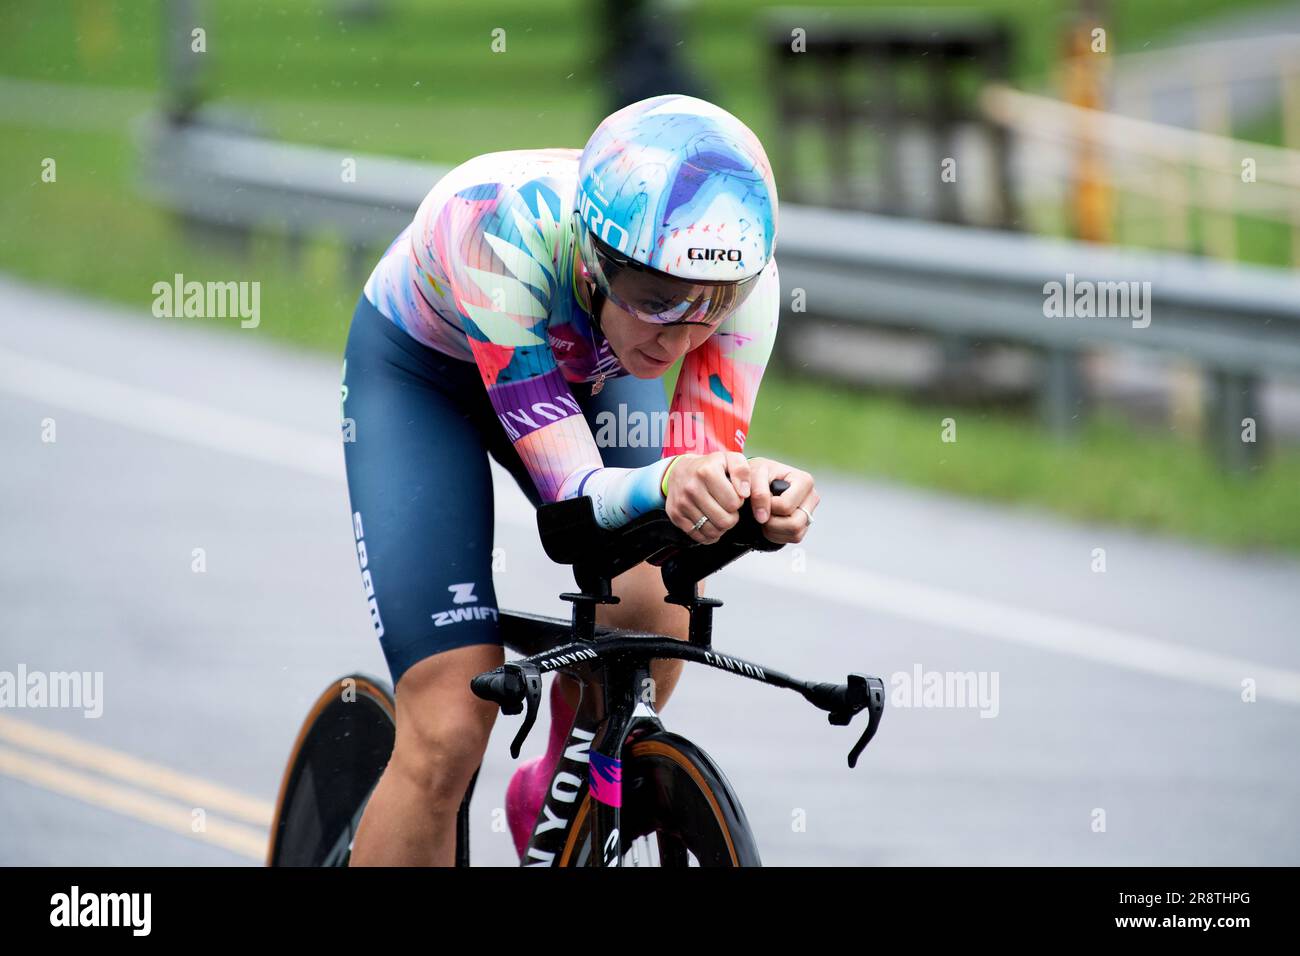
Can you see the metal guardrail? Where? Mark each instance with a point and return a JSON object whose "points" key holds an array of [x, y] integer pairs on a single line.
{"points": [[238, 180], [1239, 322]]}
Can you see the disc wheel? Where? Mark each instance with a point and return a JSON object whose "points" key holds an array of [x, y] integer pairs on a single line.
{"points": [[340, 753]]}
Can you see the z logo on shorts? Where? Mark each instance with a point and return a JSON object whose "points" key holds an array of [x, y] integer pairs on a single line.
{"points": [[463, 594]]}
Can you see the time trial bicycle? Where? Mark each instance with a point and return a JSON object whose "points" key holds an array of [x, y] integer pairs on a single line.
{"points": [[626, 791]]}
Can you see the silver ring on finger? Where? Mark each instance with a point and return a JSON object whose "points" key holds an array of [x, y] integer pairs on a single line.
{"points": [[807, 512], [701, 523]]}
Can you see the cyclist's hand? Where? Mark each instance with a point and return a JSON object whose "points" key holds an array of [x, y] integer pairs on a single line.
{"points": [[713, 486], [782, 520]]}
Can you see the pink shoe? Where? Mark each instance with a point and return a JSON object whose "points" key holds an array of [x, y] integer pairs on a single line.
{"points": [[524, 798], [527, 789]]}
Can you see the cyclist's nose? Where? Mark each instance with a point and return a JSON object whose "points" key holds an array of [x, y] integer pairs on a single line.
{"points": [[674, 339]]}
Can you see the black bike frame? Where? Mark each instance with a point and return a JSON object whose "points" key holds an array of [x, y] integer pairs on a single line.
{"points": [[616, 706]]}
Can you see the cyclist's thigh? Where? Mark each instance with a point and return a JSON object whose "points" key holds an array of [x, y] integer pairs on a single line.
{"points": [[421, 495]]}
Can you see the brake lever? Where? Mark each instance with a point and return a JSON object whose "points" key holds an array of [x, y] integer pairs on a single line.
{"points": [[861, 693], [532, 678]]}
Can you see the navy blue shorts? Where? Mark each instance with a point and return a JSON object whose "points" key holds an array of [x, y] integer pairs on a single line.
{"points": [[420, 485]]}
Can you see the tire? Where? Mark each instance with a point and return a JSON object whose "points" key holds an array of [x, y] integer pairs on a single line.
{"points": [[677, 804], [336, 761]]}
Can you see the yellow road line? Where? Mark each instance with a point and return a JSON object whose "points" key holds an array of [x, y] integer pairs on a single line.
{"points": [[175, 817], [195, 791]]}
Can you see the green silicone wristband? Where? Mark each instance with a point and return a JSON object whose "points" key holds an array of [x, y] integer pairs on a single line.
{"points": [[663, 484]]}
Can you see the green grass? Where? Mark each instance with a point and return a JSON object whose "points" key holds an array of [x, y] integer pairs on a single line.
{"points": [[424, 81], [1113, 471], [426, 85], [88, 231]]}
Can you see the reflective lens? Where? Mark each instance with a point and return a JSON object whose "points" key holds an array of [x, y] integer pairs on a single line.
{"points": [[655, 296]]}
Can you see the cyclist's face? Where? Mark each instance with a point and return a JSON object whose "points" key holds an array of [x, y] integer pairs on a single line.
{"points": [[647, 349]]}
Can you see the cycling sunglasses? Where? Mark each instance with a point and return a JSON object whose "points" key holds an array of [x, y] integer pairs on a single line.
{"points": [[655, 296]]}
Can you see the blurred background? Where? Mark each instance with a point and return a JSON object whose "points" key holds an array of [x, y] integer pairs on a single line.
{"points": [[1012, 116], [940, 166]]}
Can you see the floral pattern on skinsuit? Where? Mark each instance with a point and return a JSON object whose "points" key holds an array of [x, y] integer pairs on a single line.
{"points": [[485, 273]]}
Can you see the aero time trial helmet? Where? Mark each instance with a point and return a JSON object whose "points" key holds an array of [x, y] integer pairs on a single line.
{"points": [[675, 213]]}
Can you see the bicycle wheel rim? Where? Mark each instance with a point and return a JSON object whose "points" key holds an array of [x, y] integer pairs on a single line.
{"points": [[677, 804]]}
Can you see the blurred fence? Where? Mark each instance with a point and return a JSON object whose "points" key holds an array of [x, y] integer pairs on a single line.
{"points": [[1163, 151], [1183, 167], [865, 98]]}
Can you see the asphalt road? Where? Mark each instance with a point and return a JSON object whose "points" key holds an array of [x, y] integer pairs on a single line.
{"points": [[1118, 694]]}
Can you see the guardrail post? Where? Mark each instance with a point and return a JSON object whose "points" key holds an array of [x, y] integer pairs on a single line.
{"points": [[1232, 420], [999, 66], [183, 77], [1061, 393], [944, 123]]}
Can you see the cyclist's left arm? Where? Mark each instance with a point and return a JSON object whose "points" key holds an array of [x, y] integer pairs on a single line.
{"points": [[716, 393]]}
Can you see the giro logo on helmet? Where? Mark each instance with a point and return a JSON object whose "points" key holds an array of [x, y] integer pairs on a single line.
{"points": [[713, 255]]}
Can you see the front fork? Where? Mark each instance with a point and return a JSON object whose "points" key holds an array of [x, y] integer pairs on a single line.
{"points": [[592, 762], [605, 773]]}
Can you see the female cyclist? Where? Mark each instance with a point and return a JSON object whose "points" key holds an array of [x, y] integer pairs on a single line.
{"points": [[533, 291]]}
